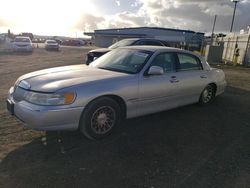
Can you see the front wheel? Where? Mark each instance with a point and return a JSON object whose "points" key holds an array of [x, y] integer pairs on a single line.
{"points": [[207, 95], [100, 118]]}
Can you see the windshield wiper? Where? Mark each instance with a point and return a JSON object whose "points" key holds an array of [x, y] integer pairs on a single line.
{"points": [[115, 70]]}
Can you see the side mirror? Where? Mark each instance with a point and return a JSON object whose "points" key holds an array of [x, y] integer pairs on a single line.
{"points": [[155, 70]]}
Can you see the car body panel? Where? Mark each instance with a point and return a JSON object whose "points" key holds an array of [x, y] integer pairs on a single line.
{"points": [[51, 80], [141, 93], [46, 118], [157, 92]]}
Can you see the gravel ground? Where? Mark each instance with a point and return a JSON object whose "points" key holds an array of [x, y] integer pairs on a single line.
{"points": [[189, 147]]}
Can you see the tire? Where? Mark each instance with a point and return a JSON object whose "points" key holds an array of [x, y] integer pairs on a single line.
{"points": [[100, 118], [207, 95]]}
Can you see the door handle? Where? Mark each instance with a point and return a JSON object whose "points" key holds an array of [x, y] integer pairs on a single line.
{"points": [[203, 76]]}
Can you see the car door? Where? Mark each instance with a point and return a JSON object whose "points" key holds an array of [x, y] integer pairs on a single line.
{"points": [[192, 78], [159, 92]]}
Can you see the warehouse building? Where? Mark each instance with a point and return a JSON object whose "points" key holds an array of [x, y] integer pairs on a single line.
{"points": [[175, 37]]}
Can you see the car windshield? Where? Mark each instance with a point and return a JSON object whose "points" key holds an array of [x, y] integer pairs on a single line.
{"points": [[123, 60], [19, 39], [51, 42], [122, 43]]}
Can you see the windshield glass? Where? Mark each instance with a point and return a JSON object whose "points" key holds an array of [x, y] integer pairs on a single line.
{"points": [[20, 39], [123, 60], [122, 43], [51, 42]]}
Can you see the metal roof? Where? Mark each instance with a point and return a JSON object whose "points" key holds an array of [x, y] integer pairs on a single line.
{"points": [[159, 28], [111, 34]]}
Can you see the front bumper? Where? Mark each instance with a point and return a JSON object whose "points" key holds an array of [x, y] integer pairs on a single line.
{"points": [[45, 118], [22, 49]]}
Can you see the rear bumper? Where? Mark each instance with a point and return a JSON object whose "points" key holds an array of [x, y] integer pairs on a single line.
{"points": [[22, 49], [46, 118], [52, 47]]}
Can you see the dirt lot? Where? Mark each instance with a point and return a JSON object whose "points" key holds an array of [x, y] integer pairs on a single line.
{"points": [[191, 146]]}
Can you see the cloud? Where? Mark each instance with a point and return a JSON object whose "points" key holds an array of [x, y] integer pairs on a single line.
{"points": [[195, 15], [135, 4], [89, 22], [123, 19], [3, 23], [118, 3], [89, 15]]}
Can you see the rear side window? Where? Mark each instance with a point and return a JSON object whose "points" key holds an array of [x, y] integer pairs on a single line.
{"points": [[188, 62], [22, 39]]}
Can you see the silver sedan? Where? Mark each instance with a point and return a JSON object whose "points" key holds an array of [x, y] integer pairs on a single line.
{"points": [[124, 83]]}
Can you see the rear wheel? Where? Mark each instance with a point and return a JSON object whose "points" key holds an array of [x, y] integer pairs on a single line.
{"points": [[207, 95], [100, 118]]}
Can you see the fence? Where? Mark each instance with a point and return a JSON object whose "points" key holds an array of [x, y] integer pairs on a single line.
{"points": [[236, 49]]}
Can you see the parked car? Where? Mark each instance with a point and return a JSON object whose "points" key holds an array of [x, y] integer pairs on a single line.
{"points": [[58, 41], [51, 45], [2, 39], [22, 44], [124, 83], [73, 42], [94, 54]]}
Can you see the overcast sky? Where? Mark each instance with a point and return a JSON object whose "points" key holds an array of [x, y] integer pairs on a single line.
{"points": [[71, 17]]}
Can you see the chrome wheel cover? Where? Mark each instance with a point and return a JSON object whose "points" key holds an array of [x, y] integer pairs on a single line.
{"points": [[207, 94], [103, 119]]}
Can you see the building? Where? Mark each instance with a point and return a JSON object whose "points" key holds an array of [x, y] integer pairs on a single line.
{"points": [[175, 37]]}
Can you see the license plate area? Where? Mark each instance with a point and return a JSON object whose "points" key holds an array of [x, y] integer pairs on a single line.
{"points": [[10, 107]]}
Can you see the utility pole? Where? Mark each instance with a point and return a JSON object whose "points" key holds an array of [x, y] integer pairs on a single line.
{"points": [[212, 36], [235, 5]]}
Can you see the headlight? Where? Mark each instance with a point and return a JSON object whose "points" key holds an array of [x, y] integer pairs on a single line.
{"points": [[50, 99]]}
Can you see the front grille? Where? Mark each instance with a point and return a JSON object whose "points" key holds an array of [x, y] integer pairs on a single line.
{"points": [[19, 94]]}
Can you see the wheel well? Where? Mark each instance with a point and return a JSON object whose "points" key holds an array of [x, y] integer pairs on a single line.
{"points": [[119, 101]]}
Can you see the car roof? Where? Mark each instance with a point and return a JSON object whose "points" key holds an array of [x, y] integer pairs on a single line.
{"points": [[153, 39], [160, 49], [153, 48], [165, 43], [22, 37]]}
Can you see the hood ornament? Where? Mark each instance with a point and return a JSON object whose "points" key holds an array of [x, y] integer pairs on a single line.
{"points": [[24, 84]]}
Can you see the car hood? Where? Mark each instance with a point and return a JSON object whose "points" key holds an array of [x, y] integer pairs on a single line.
{"points": [[100, 50], [53, 79]]}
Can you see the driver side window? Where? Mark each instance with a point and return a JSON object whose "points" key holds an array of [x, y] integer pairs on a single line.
{"points": [[166, 61]]}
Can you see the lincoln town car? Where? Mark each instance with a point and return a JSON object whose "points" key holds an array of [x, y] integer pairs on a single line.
{"points": [[123, 83]]}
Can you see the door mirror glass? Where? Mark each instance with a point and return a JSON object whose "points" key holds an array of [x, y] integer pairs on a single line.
{"points": [[155, 70]]}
